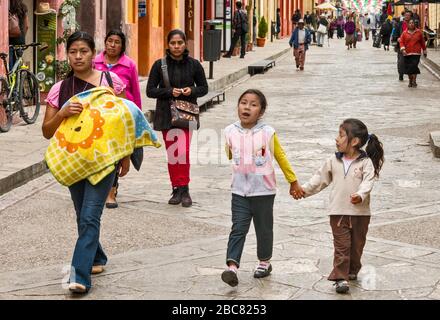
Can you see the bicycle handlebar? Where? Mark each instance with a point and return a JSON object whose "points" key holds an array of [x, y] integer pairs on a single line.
{"points": [[25, 46]]}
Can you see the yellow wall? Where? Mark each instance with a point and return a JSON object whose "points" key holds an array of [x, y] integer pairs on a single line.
{"points": [[434, 17], [308, 6]]}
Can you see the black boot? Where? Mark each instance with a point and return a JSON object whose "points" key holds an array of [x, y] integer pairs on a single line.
{"points": [[177, 196], [186, 198]]}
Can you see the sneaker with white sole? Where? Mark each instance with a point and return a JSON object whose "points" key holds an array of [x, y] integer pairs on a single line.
{"points": [[342, 286], [263, 270]]}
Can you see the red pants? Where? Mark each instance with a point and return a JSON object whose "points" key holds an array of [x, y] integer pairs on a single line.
{"points": [[177, 143], [300, 56], [349, 237]]}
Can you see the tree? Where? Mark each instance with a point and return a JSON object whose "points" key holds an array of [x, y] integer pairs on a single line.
{"points": [[262, 28]]}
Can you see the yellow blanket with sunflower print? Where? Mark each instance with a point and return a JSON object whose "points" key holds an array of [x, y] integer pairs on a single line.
{"points": [[88, 145]]}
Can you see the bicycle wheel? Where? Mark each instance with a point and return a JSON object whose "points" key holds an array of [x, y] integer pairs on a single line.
{"points": [[28, 97], [5, 111]]}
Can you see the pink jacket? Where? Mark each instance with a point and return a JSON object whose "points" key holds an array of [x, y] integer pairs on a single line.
{"points": [[253, 171], [126, 69]]}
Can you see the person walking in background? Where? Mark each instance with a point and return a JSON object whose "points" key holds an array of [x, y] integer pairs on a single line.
{"points": [[114, 59], [18, 16], [295, 18], [332, 28], [412, 44], [365, 20], [308, 18], [385, 34], [240, 27], [300, 40], [322, 29], [340, 26], [399, 29], [252, 146], [353, 172], [188, 82], [350, 29], [278, 22]]}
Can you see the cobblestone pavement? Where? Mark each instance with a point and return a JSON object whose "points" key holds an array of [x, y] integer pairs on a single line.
{"points": [[161, 252]]}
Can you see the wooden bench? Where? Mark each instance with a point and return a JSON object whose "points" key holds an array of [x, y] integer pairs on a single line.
{"points": [[205, 102], [260, 66]]}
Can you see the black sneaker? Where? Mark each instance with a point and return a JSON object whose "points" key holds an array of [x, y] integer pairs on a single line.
{"points": [[230, 277], [186, 198], [262, 270], [177, 196], [342, 286]]}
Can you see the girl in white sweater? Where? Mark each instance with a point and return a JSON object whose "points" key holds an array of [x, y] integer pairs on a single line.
{"points": [[352, 171]]}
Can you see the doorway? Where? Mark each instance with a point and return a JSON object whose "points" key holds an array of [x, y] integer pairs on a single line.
{"points": [[113, 15]]}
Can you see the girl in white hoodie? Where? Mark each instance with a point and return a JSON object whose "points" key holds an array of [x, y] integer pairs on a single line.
{"points": [[352, 171]]}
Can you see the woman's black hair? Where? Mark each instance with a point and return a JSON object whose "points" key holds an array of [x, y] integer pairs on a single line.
{"points": [[259, 94], [80, 36], [176, 32], [120, 34], [18, 8], [355, 128]]}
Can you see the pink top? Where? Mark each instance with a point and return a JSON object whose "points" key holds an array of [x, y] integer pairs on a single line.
{"points": [[52, 96], [126, 69]]}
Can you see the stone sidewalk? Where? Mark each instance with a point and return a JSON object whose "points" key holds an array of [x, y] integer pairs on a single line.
{"points": [[157, 251], [23, 147]]}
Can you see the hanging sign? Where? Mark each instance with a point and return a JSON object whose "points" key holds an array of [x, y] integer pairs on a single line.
{"points": [[142, 8], [46, 35]]}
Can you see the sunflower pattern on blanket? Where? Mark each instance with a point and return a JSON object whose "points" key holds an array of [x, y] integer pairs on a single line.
{"points": [[88, 145]]}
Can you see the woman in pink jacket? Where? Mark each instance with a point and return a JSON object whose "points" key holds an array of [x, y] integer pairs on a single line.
{"points": [[113, 59]]}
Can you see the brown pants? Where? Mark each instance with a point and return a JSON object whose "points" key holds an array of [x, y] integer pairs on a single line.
{"points": [[349, 237], [300, 56]]}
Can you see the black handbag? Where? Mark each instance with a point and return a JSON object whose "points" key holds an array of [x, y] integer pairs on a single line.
{"points": [[137, 157], [184, 114]]}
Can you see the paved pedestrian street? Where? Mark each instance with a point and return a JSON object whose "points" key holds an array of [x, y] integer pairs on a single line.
{"points": [[158, 251]]}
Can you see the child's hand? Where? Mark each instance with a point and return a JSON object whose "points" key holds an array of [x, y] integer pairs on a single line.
{"points": [[355, 198], [296, 191]]}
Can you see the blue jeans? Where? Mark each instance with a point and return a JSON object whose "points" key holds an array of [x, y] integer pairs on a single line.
{"points": [[244, 210], [88, 201]]}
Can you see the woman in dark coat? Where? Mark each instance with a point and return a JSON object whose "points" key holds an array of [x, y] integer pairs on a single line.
{"points": [[385, 33], [188, 82]]}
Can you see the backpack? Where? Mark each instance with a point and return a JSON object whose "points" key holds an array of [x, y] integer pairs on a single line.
{"points": [[243, 23]]}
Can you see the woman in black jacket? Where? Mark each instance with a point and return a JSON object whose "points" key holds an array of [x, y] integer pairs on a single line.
{"points": [[188, 82]]}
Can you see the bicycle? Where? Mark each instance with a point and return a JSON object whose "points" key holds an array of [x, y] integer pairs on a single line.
{"points": [[19, 90]]}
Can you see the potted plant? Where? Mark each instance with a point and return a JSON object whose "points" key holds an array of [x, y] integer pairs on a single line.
{"points": [[262, 32]]}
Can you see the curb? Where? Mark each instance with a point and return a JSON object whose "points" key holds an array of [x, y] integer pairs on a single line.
{"points": [[431, 66], [434, 141], [23, 176]]}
